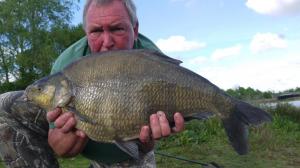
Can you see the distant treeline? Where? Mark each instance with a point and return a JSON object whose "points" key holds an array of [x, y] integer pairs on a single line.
{"points": [[252, 94]]}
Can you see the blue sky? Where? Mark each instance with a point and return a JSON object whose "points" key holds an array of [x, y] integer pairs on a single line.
{"points": [[250, 43]]}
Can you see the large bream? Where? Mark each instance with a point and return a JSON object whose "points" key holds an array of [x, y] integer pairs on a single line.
{"points": [[114, 93]]}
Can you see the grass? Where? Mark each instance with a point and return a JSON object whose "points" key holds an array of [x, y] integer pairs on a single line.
{"points": [[270, 146], [275, 144], [76, 162]]}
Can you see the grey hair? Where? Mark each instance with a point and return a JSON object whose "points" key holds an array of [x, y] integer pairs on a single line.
{"points": [[129, 5]]}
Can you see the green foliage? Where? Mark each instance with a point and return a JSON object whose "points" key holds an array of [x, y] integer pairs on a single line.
{"points": [[285, 111], [249, 93], [74, 162], [32, 34], [297, 89], [276, 144], [63, 37], [267, 95], [7, 86], [195, 133]]}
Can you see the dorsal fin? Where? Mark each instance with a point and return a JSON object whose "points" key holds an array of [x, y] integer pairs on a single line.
{"points": [[157, 55], [149, 54]]}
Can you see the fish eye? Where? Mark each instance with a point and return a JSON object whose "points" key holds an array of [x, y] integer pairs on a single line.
{"points": [[38, 87]]}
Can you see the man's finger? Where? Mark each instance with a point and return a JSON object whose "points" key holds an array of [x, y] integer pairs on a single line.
{"points": [[62, 119], [145, 134], [179, 122], [78, 147], [80, 133], [155, 126], [69, 125], [164, 124], [53, 115]]}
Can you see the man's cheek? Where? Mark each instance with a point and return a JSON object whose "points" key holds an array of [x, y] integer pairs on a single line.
{"points": [[94, 46]]}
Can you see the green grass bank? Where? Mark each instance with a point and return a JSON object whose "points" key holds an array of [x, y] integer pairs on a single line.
{"points": [[275, 144]]}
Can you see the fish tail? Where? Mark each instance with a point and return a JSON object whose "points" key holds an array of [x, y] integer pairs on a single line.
{"points": [[236, 125]]}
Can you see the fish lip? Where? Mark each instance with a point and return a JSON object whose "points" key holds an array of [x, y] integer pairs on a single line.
{"points": [[25, 97]]}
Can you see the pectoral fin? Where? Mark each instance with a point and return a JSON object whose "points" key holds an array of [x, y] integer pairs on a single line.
{"points": [[80, 116], [199, 116]]}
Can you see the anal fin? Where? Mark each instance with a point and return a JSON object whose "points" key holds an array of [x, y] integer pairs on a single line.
{"points": [[129, 147]]}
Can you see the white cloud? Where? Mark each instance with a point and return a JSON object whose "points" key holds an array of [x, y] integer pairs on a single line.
{"points": [[274, 7], [178, 44], [266, 41], [268, 75], [226, 52]]}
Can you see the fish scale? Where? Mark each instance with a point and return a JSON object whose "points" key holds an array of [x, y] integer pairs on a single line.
{"points": [[114, 93], [108, 106]]}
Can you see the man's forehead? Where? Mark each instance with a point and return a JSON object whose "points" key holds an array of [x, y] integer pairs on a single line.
{"points": [[114, 9]]}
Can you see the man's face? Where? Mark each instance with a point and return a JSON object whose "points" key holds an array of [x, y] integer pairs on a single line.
{"points": [[109, 27]]}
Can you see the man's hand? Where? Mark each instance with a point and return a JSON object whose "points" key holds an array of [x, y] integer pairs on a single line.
{"points": [[65, 139], [159, 127]]}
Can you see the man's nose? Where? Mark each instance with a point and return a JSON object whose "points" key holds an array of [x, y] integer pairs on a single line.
{"points": [[108, 42]]}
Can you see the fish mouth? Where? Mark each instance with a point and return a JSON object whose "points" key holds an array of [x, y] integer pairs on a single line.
{"points": [[25, 97]]}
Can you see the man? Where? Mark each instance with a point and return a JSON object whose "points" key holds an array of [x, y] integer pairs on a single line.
{"points": [[109, 25]]}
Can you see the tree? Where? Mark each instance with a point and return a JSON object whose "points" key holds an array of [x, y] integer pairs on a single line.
{"points": [[63, 37], [26, 37], [249, 93], [6, 63]]}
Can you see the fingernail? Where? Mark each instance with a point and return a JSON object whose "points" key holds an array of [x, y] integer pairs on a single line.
{"points": [[176, 115], [82, 135], [160, 113], [57, 110], [152, 116]]}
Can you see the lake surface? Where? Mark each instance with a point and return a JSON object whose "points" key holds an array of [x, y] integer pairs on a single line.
{"points": [[295, 103]]}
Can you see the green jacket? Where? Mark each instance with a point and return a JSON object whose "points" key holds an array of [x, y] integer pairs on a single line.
{"points": [[101, 152], [81, 48]]}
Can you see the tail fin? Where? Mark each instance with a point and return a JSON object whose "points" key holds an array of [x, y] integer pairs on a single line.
{"points": [[236, 125]]}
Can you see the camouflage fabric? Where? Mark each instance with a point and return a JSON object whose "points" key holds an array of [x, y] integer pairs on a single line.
{"points": [[23, 134], [23, 137], [147, 161]]}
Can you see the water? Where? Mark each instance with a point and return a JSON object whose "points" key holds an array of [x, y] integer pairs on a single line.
{"points": [[295, 103]]}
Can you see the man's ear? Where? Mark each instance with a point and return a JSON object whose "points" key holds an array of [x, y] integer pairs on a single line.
{"points": [[136, 30]]}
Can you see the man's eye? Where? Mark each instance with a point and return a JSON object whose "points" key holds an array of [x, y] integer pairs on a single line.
{"points": [[117, 29], [97, 31]]}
